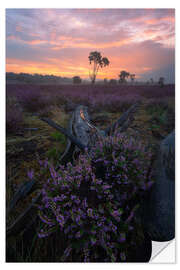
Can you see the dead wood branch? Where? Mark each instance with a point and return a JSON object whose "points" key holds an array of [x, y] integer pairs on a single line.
{"points": [[65, 132], [122, 120]]}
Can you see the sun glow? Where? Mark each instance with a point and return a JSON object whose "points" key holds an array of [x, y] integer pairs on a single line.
{"points": [[138, 43]]}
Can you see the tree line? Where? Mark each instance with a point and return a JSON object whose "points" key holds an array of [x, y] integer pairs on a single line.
{"points": [[36, 78]]}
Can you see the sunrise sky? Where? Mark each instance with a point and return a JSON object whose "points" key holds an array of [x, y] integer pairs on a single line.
{"points": [[58, 41]]}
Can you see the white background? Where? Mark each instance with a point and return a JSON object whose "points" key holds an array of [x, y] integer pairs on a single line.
{"points": [[168, 254]]}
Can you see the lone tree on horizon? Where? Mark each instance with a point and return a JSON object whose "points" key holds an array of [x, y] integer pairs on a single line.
{"points": [[98, 61], [123, 75]]}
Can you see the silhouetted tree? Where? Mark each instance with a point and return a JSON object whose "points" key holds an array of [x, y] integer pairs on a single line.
{"points": [[98, 61], [151, 81], [77, 80], [132, 77], [161, 81], [123, 75]]}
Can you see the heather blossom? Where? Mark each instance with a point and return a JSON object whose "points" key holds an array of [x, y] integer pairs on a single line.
{"points": [[30, 174], [91, 201]]}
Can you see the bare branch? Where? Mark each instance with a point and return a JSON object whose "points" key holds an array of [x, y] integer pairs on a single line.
{"points": [[65, 132], [124, 117]]}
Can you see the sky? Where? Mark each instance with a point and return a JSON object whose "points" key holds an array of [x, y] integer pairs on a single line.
{"points": [[58, 41]]}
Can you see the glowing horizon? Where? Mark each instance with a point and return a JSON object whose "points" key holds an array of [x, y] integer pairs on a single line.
{"points": [[58, 41]]}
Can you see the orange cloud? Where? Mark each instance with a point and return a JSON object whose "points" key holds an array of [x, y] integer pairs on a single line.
{"points": [[35, 42], [157, 20]]}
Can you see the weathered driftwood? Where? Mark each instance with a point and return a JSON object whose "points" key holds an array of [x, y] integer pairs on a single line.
{"points": [[83, 134]]}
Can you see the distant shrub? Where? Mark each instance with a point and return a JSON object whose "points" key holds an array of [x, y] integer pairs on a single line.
{"points": [[77, 80], [94, 202]]}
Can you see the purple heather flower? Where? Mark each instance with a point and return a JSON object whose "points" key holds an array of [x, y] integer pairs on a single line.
{"points": [[122, 237], [45, 163], [149, 184], [106, 228], [130, 217], [78, 234], [77, 201], [93, 241], [114, 228], [116, 215], [42, 234], [106, 162], [60, 219], [99, 224], [30, 174], [98, 181], [46, 220], [40, 162], [106, 187], [84, 203], [73, 197], [78, 219], [53, 173]]}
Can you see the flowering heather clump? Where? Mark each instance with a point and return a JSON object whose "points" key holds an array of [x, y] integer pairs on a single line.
{"points": [[94, 202]]}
